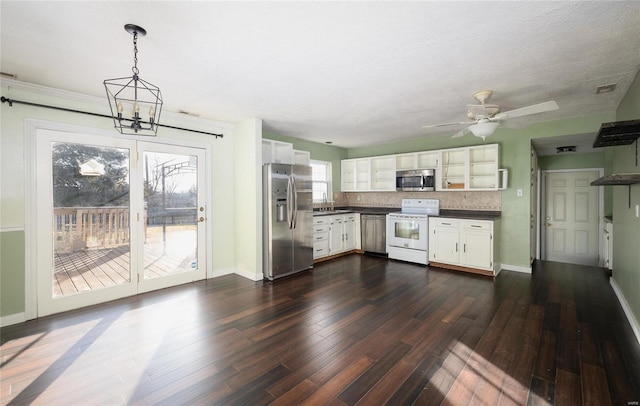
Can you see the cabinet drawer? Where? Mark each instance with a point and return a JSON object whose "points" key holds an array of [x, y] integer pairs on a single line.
{"points": [[320, 228], [350, 217], [444, 222], [320, 249], [477, 224], [320, 220], [324, 236]]}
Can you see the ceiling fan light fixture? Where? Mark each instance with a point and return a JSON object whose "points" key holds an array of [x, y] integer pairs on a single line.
{"points": [[483, 130]]}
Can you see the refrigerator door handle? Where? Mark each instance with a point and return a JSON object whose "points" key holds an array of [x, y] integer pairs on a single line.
{"points": [[295, 202], [289, 203]]}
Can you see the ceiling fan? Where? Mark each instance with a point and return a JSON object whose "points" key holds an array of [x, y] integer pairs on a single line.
{"points": [[486, 118]]}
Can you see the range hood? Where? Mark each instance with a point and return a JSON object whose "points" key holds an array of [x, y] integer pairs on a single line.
{"points": [[617, 133]]}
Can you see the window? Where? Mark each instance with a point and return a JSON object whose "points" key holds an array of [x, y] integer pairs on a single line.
{"points": [[321, 176]]}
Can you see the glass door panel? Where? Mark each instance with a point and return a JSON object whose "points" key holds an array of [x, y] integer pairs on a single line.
{"points": [[173, 215], [85, 251], [91, 231]]}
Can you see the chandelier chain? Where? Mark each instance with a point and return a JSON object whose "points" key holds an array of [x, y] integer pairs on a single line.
{"points": [[135, 54]]}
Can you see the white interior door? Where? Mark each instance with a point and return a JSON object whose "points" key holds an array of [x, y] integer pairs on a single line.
{"points": [[115, 217], [572, 217]]}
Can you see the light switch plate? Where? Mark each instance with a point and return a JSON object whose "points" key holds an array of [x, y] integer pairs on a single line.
{"points": [[519, 192], [637, 210]]}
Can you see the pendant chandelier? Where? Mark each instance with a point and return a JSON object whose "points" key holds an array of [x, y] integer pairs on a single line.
{"points": [[131, 97]]}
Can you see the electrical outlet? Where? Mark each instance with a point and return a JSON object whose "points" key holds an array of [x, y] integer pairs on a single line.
{"points": [[519, 192]]}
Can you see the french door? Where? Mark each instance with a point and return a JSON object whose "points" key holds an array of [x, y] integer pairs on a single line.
{"points": [[115, 217]]}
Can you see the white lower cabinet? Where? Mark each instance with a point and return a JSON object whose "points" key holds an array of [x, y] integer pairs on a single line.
{"points": [[463, 244], [335, 234], [320, 237]]}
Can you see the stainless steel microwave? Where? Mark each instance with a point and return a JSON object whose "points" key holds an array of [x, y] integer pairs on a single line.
{"points": [[419, 180]]}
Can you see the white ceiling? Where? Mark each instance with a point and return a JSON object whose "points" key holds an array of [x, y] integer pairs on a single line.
{"points": [[354, 73]]}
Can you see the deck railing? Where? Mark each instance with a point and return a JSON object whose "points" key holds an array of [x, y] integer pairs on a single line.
{"points": [[79, 228]]}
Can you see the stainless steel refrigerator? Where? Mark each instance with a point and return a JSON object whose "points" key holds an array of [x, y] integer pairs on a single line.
{"points": [[287, 219]]}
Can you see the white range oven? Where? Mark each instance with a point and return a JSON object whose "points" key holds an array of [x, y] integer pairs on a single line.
{"points": [[407, 230]]}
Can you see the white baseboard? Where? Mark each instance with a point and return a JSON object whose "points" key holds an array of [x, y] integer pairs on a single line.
{"points": [[515, 268], [627, 310], [12, 319], [221, 272], [249, 275]]}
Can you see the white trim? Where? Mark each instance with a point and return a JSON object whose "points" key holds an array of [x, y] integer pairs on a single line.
{"points": [[221, 272], [515, 268], [11, 229], [250, 275], [633, 321], [12, 319], [31, 128]]}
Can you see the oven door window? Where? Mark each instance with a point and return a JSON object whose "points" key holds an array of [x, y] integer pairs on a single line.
{"points": [[407, 229]]}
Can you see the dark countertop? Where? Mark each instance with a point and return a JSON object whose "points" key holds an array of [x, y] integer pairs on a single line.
{"points": [[460, 214], [470, 214]]}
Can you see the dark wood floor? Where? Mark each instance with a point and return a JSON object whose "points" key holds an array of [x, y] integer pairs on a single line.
{"points": [[355, 330]]}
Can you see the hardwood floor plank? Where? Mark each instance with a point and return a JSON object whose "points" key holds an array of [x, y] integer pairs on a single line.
{"points": [[360, 386], [356, 330], [334, 386], [546, 360], [595, 388], [568, 391]]}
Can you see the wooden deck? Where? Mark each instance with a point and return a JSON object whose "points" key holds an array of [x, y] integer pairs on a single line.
{"points": [[355, 330], [91, 269]]}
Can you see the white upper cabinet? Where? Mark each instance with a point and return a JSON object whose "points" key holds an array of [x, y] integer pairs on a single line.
{"points": [[428, 159], [417, 160], [356, 175], [457, 169], [383, 173], [483, 167], [301, 157], [405, 162], [277, 152], [452, 172]]}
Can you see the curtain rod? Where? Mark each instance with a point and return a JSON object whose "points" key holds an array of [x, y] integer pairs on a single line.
{"points": [[11, 101]]}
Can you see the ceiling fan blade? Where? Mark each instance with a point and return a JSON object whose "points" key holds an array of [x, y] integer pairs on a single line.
{"points": [[460, 133], [445, 124], [525, 111]]}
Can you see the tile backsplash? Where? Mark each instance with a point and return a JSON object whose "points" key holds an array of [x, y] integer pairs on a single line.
{"points": [[489, 200]]}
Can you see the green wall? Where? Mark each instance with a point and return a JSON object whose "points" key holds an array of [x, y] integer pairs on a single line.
{"points": [[12, 275], [320, 152], [626, 226], [574, 161]]}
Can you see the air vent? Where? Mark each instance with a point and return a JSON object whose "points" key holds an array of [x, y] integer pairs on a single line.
{"points": [[568, 148], [617, 133]]}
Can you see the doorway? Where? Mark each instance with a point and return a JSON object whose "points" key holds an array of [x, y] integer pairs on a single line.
{"points": [[115, 217], [571, 217]]}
